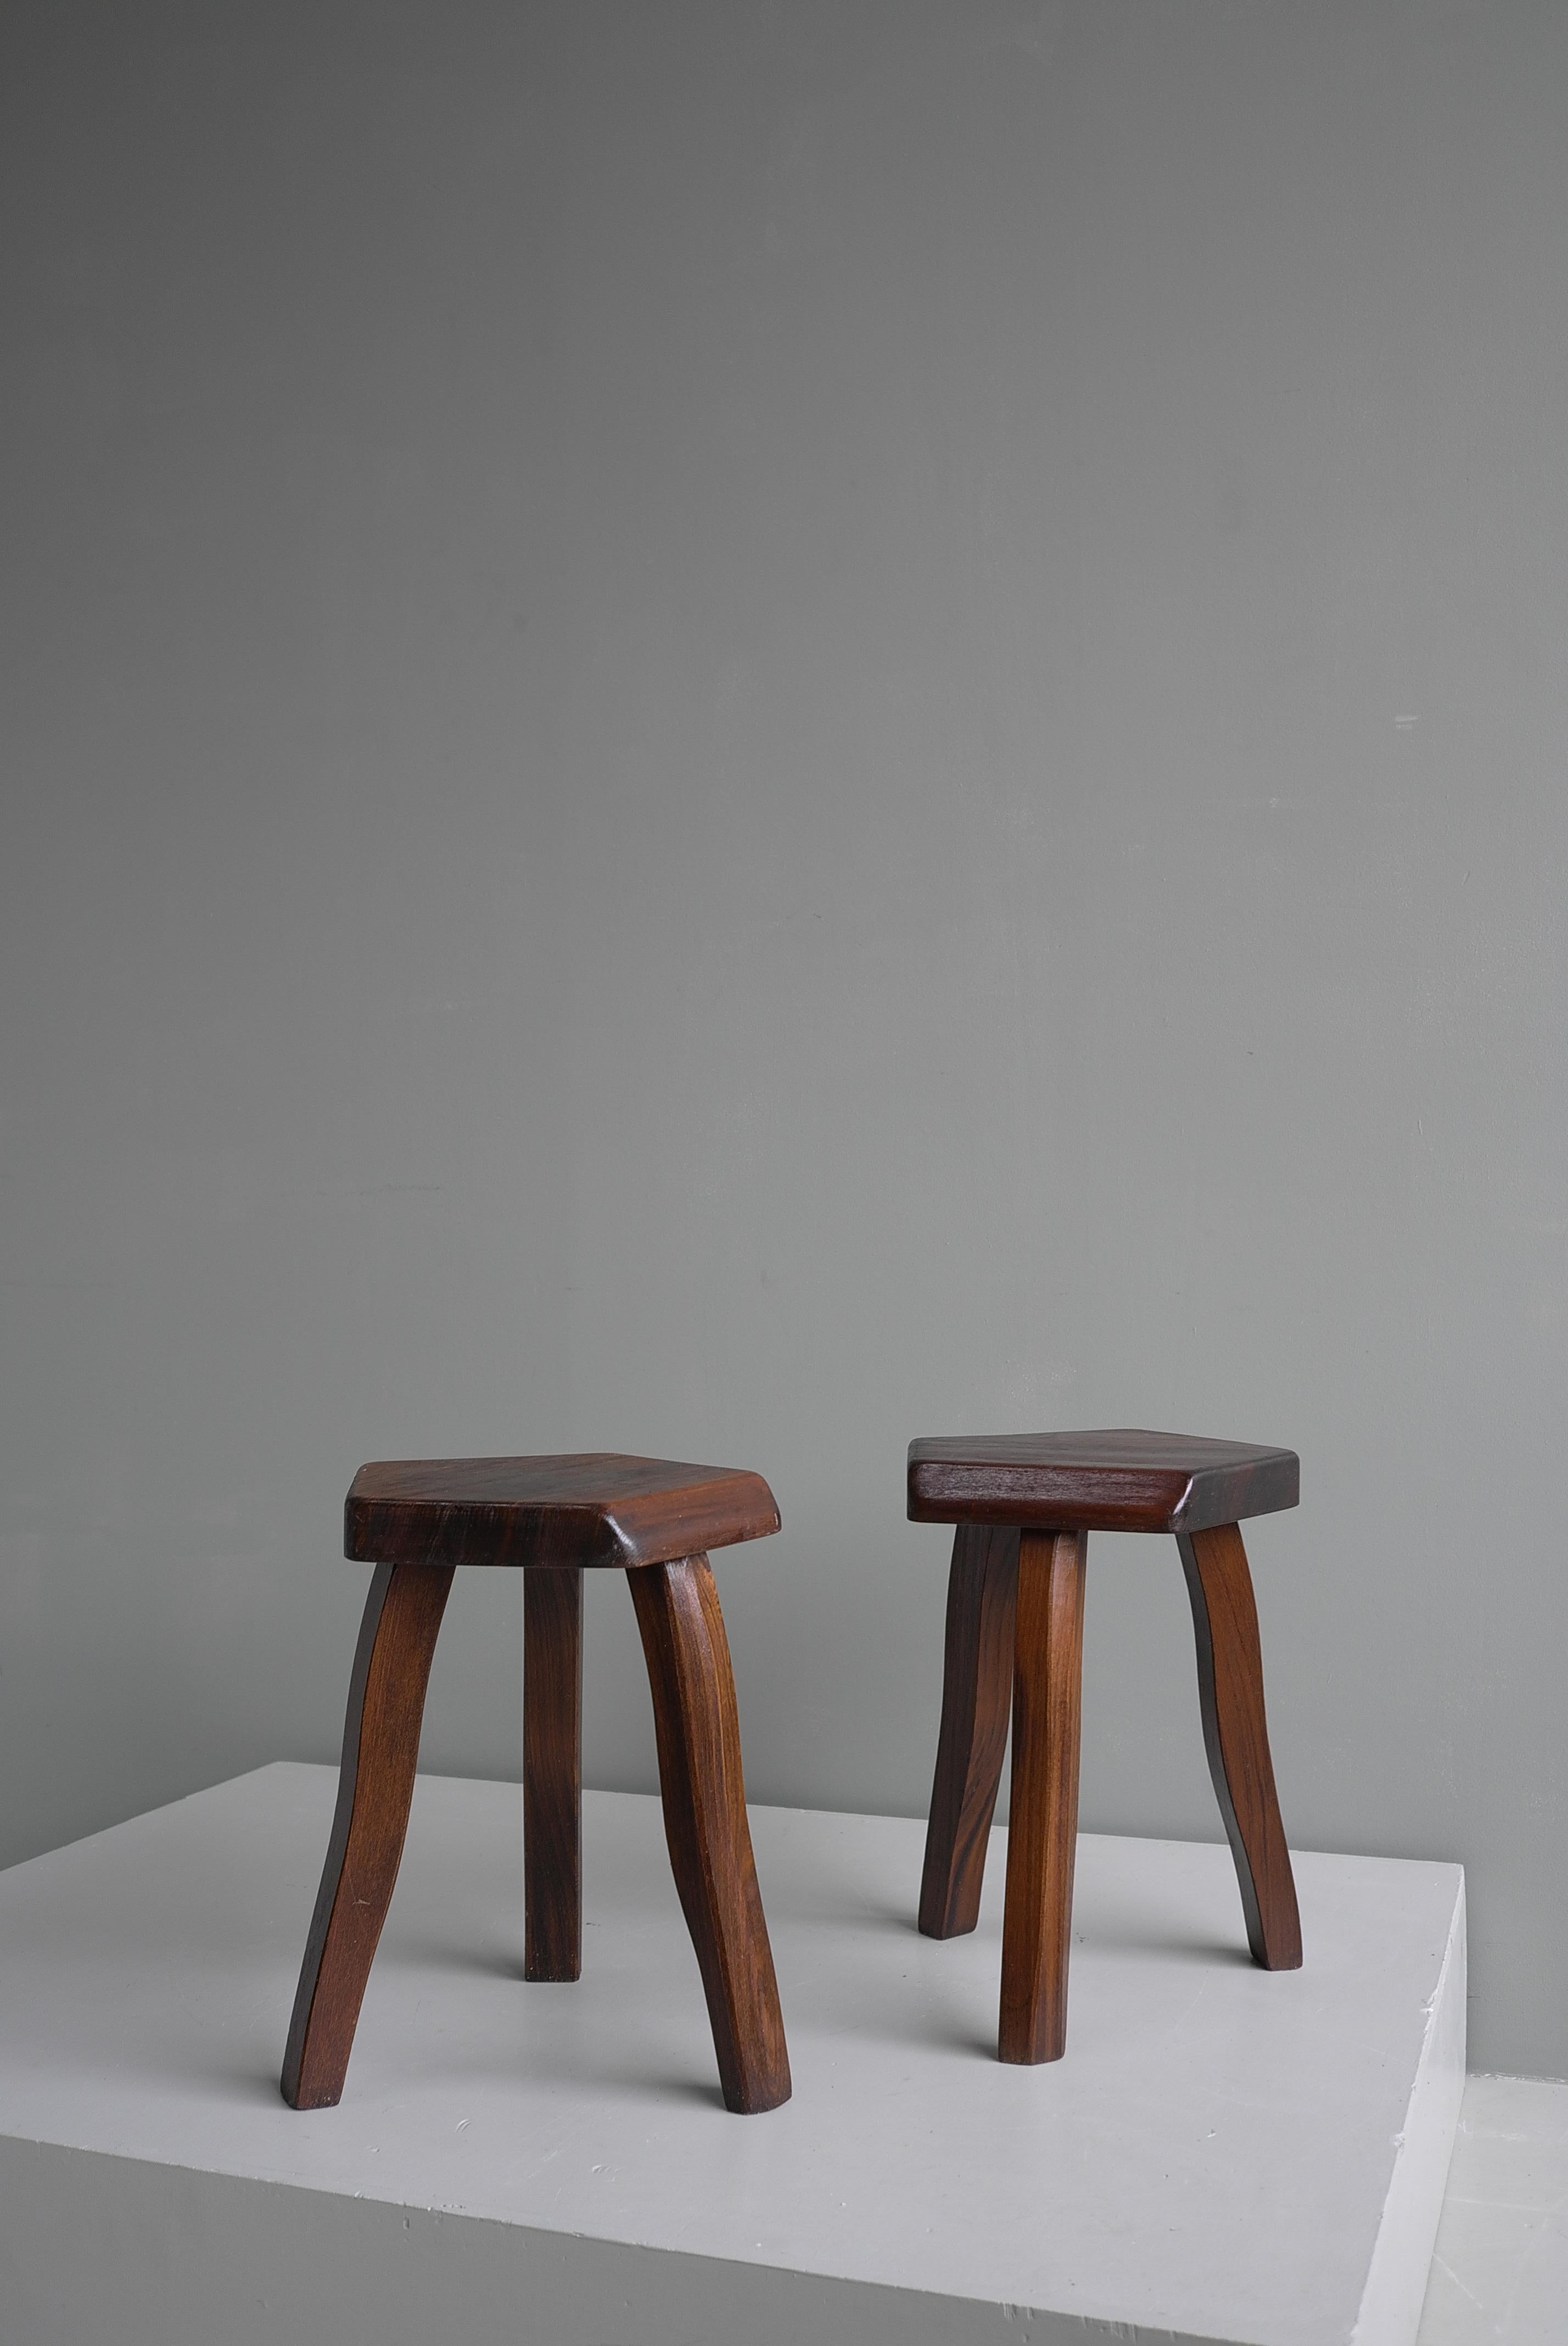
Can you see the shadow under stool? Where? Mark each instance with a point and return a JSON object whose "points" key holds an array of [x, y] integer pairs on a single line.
{"points": [[1024, 1505], [417, 1520]]}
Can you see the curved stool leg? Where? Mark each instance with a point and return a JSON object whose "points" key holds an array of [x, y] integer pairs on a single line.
{"points": [[1043, 1834], [706, 1825], [553, 1773], [976, 1700], [1236, 1738], [381, 1753]]}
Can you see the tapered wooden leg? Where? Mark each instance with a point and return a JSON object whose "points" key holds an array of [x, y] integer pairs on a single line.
{"points": [[1235, 1736], [706, 1825], [976, 1698], [381, 1753], [553, 1773], [1042, 1833]]}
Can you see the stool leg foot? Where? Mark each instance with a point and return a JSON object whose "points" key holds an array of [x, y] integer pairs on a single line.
{"points": [[553, 1773], [706, 1825], [1043, 1836], [375, 1787], [1235, 1736], [976, 1698]]}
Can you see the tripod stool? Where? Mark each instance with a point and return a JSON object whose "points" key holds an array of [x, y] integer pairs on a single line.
{"points": [[1024, 1505], [417, 1520]]}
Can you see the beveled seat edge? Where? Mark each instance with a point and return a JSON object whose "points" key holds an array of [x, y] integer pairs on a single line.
{"points": [[1090, 1498], [623, 1533]]}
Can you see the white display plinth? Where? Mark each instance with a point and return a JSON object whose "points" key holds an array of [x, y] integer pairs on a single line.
{"points": [[1223, 2154]]}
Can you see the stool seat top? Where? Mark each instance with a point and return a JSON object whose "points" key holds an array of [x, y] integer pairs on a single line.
{"points": [[591, 1507], [1120, 1480]]}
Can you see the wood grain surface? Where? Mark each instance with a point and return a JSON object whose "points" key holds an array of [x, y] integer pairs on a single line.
{"points": [[375, 1786], [597, 1508], [1042, 1831], [976, 1701], [553, 1774], [1235, 1736], [1114, 1480], [709, 1839]]}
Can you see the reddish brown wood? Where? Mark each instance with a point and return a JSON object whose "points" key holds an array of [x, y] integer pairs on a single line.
{"points": [[553, 1774], [976, 1698], [595, 1509], [698, 1737], [1043, 1832], [375, 1786], [1235, 1736], [1113, 1481]]}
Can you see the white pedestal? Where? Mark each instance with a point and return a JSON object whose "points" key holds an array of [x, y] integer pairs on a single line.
{"points": [[1223, 2154]]}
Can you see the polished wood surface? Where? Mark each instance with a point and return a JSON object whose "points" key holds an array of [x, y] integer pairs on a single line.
{"points": [[1043, 1828], [553, 1774], [1235, 1736], [976, 1701], [1024, 1505], [597, 1508], [375, 1786], [1122, 1481], [418, 1520], [701, 1779]]}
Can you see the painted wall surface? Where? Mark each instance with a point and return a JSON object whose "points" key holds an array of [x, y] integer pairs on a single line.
{"points": [[743, 730]]}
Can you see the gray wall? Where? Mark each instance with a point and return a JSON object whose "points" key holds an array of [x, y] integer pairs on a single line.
{"points": [[746, 729]]}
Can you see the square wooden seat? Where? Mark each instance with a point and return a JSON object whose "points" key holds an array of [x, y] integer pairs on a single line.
{"points": [[1024, 1505], [655, 1518]]}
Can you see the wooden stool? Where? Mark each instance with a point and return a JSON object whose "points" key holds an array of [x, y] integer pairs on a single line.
{"points": [[417, 1520], [1025, 1506]]}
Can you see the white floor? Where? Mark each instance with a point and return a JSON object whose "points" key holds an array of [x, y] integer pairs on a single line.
{"points": [[1500, 2271], [1223, 2154]]}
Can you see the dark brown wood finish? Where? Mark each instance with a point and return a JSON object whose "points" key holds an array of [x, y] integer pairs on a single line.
{"points": [[553, 1774], [597, 1509], [1042, 1831], [709, 1839], [1235, 1736], [418, 1519], [375, 1787], [976, 1699], [1055, 1488], [1122, 1481]]}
